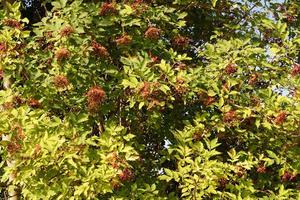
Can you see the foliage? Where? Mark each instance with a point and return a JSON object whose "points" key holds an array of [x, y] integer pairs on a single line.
{"points": [[151, 100]]}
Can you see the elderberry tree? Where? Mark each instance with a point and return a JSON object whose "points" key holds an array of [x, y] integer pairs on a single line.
{"points": [[150, 99]]}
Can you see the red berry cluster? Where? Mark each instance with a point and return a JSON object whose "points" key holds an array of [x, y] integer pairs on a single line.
{"points": [[62, 54], [3, 46], [290, 18], [255, 101], [44, 45], [153, 33], [114, 160], [61, 81], [229, 116], [48, 34], [150, 93], [66, 31], [33, 103], [95, 97], [99, 50], [209, 100], [253, 79], [20, 133], [261, 169], [288, 176], [139, 6], [180, 66], [240, 171], [280, 118], [197, 136], [180, 41], [225, 86], [205, 99], [124, 40], [222, 183], [37, 149], [295, 70], [14, 144], [1, 74], [230, 69], [7, 105], [17, 101], [12, 23], [153, 57], [48, 61], [179, 87], [115, 184], [145, 90], [107, 9], [19, 47], [126, 175]]}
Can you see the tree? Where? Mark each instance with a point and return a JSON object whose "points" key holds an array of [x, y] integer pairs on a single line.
{"points": [[151, 100]]}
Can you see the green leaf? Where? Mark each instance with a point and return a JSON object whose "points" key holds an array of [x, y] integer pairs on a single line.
{"points": [[168, 172], [141, 104], [214, 2]]}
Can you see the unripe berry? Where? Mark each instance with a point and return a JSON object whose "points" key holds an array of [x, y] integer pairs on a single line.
{"points": [[12, 23]]}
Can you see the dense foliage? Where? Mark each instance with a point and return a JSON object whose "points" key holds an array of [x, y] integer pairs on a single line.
{"points": [[150, 99]]}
